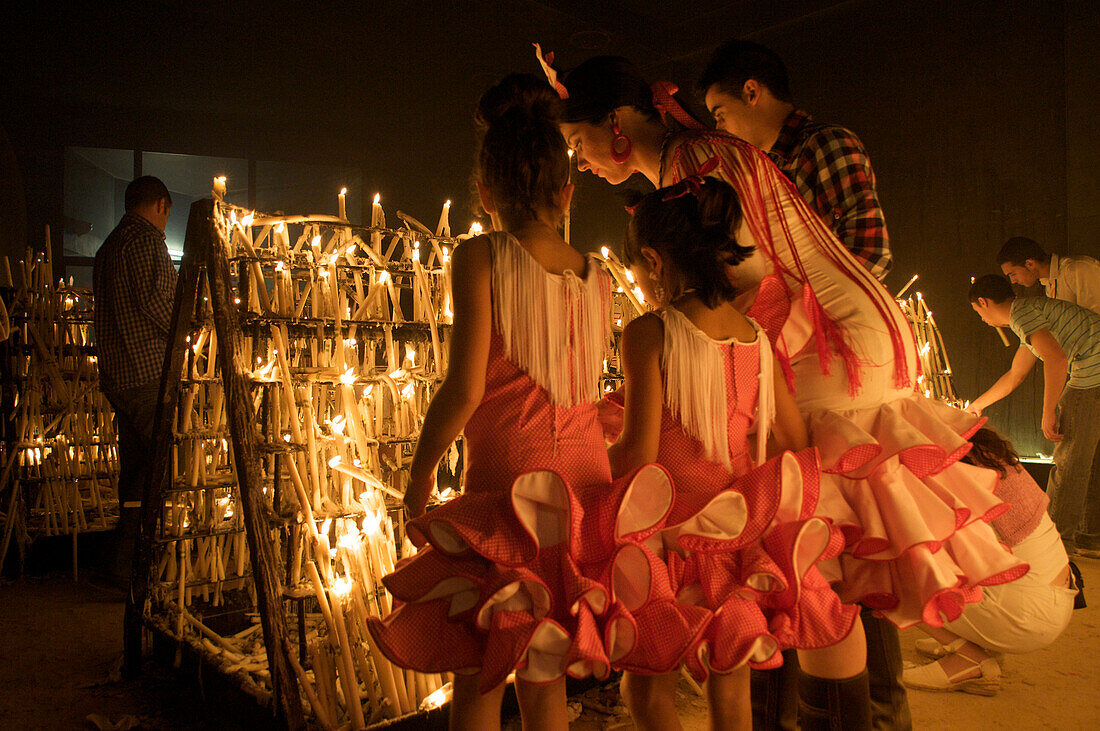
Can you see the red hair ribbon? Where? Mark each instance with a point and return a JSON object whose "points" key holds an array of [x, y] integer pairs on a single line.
{"points": [[667, 105], [692, 183], [548, 69]]}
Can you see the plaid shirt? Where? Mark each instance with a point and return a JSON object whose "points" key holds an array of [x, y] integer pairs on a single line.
{"points": [[830, 168], [134, 284]]}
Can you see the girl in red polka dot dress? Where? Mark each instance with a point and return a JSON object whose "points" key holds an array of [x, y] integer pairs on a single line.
{"points": [[741, 539], [506, 579]]}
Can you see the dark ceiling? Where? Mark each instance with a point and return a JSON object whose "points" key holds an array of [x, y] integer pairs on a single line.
{"points": [[385, 86]]}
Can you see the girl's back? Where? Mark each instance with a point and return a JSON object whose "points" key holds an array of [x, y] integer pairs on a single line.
{"points": [[549, 340], [711, 389]]}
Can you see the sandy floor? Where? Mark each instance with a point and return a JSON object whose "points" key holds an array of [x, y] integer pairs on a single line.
{"points": [[61, 642]]}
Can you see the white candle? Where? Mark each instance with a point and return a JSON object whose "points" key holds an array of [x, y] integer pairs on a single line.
{"points": [[444, 226], [343, 208], [376, 216], [219, 187]]}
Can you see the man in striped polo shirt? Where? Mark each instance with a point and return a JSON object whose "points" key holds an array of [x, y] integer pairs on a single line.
{"points": [[1066, 337]]}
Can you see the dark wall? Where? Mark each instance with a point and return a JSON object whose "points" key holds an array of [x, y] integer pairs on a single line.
{"points": [[978, 115]]}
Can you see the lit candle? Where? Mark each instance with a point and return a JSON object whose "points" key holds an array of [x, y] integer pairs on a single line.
{"points": [[219, 187], [377, 218], [565, 223], [343, 208]]}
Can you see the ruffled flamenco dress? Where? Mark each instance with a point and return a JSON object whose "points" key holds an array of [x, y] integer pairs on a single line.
{"points": [[508, 576], [741, 541], [919, 545]]}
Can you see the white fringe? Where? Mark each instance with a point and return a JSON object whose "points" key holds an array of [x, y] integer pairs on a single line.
{"points": [[695, 386], [556, 328], [765, 400]]}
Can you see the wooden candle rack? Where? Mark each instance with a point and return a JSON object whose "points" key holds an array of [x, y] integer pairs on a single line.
{"points": [[59, 453], [304, 352]]}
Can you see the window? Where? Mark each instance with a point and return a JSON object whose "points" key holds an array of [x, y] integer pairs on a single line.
{"points": [[95, 181]]}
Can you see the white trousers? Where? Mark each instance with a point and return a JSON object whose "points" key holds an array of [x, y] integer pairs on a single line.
{"points": [[1027, 614]]}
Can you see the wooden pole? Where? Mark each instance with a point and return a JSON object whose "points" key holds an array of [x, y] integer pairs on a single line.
{"points": [[196, 241], [236, 376]]}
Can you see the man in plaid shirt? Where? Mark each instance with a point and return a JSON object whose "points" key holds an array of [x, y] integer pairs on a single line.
{"points": [[747, 91], [134, 284]]}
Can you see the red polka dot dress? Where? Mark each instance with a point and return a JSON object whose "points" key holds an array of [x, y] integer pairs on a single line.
{"points": [[741, 541], [510, 577]]}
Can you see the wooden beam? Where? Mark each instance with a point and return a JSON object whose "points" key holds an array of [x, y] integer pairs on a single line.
{"points": [[236, 376]]}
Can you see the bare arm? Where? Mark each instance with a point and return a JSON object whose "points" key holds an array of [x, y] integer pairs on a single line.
{"points": [[1022, 363], [789, 428], [460, 393], [1054, 379], [642, 343]]}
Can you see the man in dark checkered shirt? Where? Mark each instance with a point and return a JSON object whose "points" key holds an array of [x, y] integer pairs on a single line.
{"points": [[134, 283], [747, 91]]}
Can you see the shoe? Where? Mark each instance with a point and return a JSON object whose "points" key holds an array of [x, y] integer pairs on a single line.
{"points": [[930, 648], [933, 650], [1079, 583], [933, 677]]}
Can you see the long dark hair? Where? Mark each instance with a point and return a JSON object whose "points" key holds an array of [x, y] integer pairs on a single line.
{"points": [[523, 160], [693, 224], [992, 451]]}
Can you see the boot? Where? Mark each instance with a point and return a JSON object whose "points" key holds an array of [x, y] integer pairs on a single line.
{"points": [[825, 704]]}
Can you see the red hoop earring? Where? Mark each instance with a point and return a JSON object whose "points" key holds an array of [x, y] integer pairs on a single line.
{"points": [[620, 145]]}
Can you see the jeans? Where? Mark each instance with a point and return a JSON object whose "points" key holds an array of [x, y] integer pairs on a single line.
{"points": [[1074, 483], [135, 411]]}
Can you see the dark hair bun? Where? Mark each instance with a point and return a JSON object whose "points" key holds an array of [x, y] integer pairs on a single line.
{"points": [[519, 97], [523, 159]]}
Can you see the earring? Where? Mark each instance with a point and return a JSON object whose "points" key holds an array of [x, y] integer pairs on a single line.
{"points": [[658, 290], [620, 144]]}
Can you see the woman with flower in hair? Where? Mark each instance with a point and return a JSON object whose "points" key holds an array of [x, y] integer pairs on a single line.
{"points": [[918, 542]]}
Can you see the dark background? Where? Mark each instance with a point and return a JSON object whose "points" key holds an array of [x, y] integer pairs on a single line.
{"points": [[977, 115]]}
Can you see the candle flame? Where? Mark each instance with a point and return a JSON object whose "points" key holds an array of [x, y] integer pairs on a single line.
{"points": [[605, 251], [248, 219], [316, 240], [438, 698], [377, 198], [341, 587], [326, 525], [343, 192], [338, 423], [336, 459], [408, 391], [347, 377], [279, 227], [383, 277], [475, 229], [630, 276], [410, 355]]}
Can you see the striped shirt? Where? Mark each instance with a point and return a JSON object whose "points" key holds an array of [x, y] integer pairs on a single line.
{"points": [[1076, 330], [829, 166], [134, 284]]}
